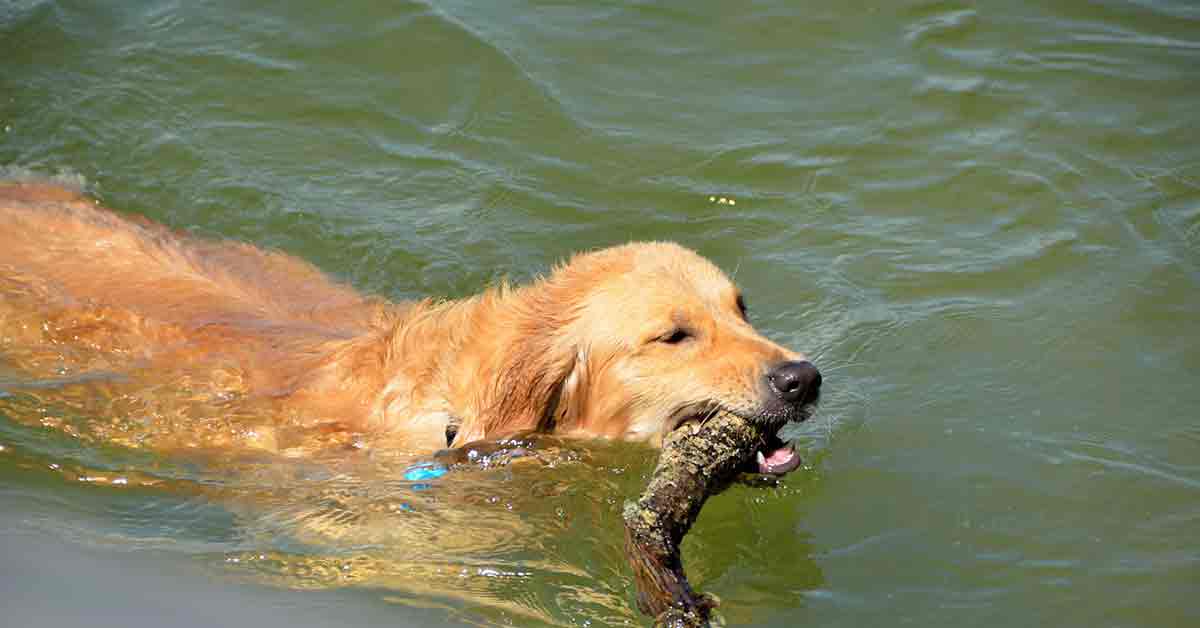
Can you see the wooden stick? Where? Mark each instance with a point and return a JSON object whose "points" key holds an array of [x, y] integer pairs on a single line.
{"points": [[696, 461]]}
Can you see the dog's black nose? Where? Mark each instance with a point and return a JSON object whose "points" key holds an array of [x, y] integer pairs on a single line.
{"points": [[795, 382]]}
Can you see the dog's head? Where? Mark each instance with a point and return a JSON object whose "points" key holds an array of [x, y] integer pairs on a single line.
{"points": [[632, 341]]}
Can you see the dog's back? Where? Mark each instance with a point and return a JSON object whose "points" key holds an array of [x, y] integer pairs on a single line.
{"points": [[75, 273]]}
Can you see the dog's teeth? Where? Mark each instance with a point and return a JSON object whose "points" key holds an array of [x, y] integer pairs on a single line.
{"points": [[762, 460]]}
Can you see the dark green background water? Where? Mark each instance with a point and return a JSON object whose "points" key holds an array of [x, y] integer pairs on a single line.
{"points": [[981, 218]]}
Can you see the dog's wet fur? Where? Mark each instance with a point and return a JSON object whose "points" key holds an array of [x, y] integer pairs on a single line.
{"points": [[626, 342]]}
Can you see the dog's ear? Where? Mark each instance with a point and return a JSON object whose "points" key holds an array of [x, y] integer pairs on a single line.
{"points": [[572, 398], [541, 386]]}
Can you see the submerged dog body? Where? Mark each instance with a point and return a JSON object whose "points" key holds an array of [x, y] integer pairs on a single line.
{"points": [[626, 342]]}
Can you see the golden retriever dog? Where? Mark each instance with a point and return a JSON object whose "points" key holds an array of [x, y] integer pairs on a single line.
{"points": [[627, 342]]}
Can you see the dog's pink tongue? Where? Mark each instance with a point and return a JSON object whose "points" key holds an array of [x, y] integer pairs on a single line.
{"points": [[780, 461]]}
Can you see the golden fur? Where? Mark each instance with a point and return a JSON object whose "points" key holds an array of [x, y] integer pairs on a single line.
{"points": [[589, 350]]}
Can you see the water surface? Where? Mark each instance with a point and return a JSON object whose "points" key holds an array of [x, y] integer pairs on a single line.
{"points": [[982, 219]]}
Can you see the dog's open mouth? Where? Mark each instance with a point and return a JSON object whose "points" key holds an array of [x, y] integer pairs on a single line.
{"points": [[773, 457]]}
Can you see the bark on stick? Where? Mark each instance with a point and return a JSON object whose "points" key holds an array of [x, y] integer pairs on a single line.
{"points": [[696, 461]]}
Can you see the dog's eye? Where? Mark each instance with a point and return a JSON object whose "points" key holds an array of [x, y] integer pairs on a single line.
{"points": [[675, 336]]}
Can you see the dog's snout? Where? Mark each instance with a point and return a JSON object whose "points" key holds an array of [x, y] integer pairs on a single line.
{"points": [[795, 382]]}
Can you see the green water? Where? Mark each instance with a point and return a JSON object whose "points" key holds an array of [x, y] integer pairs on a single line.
{"points": [[982, 219]]}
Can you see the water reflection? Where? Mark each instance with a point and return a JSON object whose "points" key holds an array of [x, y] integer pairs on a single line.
{"points": [[525, 531]]}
